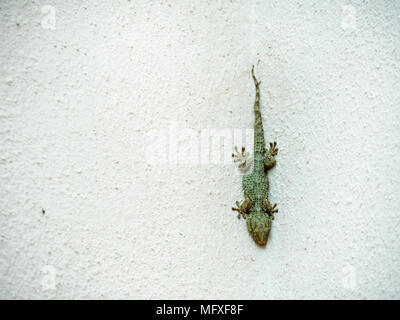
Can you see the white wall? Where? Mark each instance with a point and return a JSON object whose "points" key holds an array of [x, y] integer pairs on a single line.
{"points": [[86, 97]]}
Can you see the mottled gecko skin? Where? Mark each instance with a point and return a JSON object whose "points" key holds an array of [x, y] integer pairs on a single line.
{"points": [[256, 207]]}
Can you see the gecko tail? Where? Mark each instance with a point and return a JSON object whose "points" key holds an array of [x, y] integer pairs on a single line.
{"points": [[257, 102], [257, 83], [259, 144]]}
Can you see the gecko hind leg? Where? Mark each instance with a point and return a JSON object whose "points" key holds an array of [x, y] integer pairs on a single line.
{"points": [[243, 208]]}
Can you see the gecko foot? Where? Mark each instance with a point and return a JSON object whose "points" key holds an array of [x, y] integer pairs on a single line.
{"points": [[269, 160], [273, 149], [271, 210], [240, 157]]}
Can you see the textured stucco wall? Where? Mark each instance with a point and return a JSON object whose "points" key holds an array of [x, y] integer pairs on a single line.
{"points": [[91, 98]]}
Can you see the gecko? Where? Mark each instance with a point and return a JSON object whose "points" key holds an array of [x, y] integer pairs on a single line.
{"points": [[256, 206]]}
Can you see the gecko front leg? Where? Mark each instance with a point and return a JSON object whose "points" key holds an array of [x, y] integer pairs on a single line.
{"points": [[243, 208], [270, 210], [269, 159]]}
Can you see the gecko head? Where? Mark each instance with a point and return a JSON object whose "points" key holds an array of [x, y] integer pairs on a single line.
{"points": [[259, 226]]}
